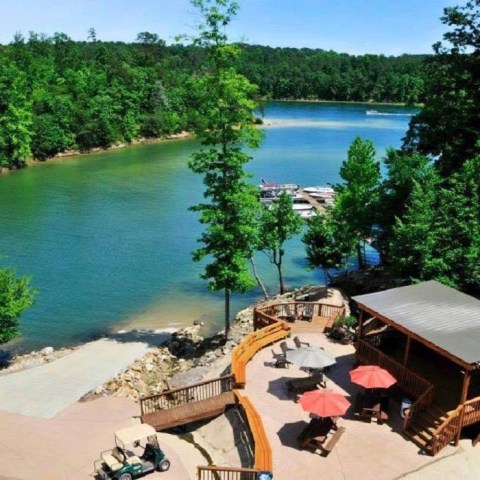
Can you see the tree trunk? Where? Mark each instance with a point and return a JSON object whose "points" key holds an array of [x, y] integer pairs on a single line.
{"points": [[278, 263], [227, 312], [361, 264], [258, 279]]}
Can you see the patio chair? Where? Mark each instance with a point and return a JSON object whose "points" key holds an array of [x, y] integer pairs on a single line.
{"points": [[280, 360], [284, 348], [288, 312], [307, 313], [298, 343]]}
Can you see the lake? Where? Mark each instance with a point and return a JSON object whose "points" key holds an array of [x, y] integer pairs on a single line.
{"points": [[107, 238]]}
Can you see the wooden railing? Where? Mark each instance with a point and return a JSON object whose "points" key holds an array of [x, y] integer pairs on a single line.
{"points": [[251, 344], [464, 415], [262, 449], [268, 314], [420, 404], [213, 472], [413, 385], [241, 355], [179, 396], [447, 431], [471, 412]]}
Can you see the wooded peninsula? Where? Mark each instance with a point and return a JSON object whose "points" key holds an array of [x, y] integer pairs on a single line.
{"points": [[57, 94]]}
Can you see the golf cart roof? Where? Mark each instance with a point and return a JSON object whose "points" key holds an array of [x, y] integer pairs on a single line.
{"points": [[132, 434]]}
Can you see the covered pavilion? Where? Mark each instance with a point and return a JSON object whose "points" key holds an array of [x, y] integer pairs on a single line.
{"points": [[428, 336]]}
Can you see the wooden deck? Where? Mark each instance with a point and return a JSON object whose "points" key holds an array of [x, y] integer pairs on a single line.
{"points": [[181, 406], [189, 412]]}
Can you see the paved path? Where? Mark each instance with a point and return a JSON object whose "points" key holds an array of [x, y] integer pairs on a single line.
{"points": [[65, 447], [46, 390]]}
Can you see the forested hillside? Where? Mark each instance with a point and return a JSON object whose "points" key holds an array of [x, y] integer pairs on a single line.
{"points": [[57, 94]]}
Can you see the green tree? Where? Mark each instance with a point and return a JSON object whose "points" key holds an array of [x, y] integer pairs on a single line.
{"points": [[402, 171], [224, 127], [448, 125], [413, 241], [15, 117], [326, 245], [278, 224], [15, 297], [439, 235], [356, 199]]}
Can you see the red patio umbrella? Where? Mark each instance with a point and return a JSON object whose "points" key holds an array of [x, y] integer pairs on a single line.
{"points": [[372, 376], [324, 403]]}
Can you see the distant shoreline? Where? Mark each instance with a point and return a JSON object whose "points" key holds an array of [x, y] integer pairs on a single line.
{"points": [[186, 135], [347, 102]]}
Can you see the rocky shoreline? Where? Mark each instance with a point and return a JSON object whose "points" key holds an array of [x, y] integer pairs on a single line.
{"points": [[185, 358]]}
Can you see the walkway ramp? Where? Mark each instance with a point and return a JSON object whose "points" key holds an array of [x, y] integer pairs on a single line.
{"points": [[46, 390], [181, 406]]}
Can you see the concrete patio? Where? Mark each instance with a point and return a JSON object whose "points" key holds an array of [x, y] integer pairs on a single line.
{"points": [[366, 450]]}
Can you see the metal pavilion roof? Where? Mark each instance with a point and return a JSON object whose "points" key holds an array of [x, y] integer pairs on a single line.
{"points": [[441, 315]]}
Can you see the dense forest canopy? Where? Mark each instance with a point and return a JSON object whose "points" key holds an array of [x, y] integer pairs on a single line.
{"points": [[424, 216], [57, 94]]}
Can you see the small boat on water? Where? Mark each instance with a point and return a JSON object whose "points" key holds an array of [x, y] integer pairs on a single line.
{"points": [[319, 190], [372, 112]]}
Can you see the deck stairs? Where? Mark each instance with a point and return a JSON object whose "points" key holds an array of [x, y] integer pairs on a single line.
{"points": [[424, 426]]}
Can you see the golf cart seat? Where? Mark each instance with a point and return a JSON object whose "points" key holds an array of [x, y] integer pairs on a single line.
{"points": [[114, 459], [133, 460]]}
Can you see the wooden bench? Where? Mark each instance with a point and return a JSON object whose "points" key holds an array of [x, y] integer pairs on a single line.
{"points": [[251, 344], [329, 446]]}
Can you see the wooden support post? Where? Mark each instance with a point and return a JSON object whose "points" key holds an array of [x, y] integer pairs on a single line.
{"points": [[407, 351], [466, 384], [360, 325]]}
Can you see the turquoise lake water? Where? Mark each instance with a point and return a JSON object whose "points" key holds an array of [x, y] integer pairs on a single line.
{"points": [[108, 237]]}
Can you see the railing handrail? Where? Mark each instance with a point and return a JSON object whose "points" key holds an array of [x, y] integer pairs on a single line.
{"points": [[179, 389], [263, 451], [451, 415], [251, 344], [425, 383], [424, 399]]}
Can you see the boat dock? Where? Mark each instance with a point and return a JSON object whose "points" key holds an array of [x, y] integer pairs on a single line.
{"points": [[306, 201]]}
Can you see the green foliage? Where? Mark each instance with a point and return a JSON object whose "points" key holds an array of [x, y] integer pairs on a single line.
{"points": [[326, 245], [15, 117], [15, 297], [439, 236], [448, 126], [57, 94], [278, 224], [356, 199], [403, 170]]}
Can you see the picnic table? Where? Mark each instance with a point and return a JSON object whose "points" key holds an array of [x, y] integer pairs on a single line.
{"points": [[305, 384]]}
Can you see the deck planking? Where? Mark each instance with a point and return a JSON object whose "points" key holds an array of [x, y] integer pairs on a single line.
{"points": [[189, 412]]}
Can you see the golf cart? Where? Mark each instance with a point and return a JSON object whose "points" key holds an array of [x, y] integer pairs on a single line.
{"points": [[136, 453]]}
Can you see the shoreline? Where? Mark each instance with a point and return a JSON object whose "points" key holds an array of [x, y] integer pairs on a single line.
{"points": [[184, 135], [62, 156]]}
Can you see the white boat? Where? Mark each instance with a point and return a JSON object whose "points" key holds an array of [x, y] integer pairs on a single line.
{"points": [[319, 190], [298, 207], [372, 112], [307, 213]]}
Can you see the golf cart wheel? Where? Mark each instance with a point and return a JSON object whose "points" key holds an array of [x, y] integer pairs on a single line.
{"points": [[164, 465], [125, 476]]}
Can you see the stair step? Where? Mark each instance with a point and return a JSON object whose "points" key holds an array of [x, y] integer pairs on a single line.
{"points": [[421, 442], [421, 424], [433, 417]]}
